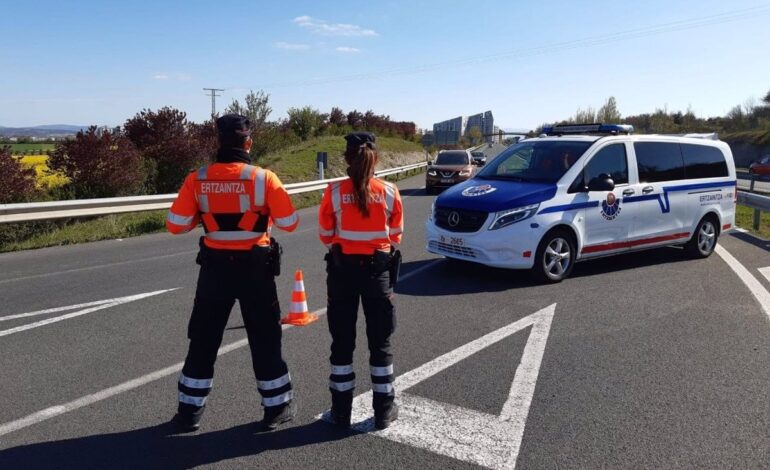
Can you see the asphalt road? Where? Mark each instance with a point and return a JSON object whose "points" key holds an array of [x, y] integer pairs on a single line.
{"points": [[647, 360]]}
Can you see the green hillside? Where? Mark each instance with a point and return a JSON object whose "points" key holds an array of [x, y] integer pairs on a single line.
{"points": [[298, 162]]}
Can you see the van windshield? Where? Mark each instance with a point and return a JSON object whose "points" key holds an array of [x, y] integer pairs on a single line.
{"points": [[452, 158], [536, 161]]}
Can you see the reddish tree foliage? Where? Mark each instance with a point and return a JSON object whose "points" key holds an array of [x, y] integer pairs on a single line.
{"points": [[175, 145], [16, 183], [337, 117], [99, 166]]}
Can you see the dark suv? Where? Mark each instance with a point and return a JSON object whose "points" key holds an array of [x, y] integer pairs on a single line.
{"points": [[451, 167]]}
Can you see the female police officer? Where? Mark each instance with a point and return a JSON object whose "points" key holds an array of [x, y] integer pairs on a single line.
{"points": [[360, 221]]}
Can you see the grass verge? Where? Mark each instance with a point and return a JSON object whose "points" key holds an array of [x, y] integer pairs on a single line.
{"points": [[744, 218], [26, 236]]}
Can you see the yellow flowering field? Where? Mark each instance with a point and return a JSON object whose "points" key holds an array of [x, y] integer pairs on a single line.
{"points": [[45, 178]]}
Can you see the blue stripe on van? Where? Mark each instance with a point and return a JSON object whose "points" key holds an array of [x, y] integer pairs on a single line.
{"points": [[569, 207], [665, 205], [663, 201]]}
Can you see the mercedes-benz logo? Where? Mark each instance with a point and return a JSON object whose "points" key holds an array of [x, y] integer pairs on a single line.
{"points": [[453, 219]]}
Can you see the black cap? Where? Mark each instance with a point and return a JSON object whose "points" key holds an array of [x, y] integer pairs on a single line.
{"points": [[232, 129], [357, 139]]}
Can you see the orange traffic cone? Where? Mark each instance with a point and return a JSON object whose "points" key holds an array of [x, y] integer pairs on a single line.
{"points": [[298, 314]]}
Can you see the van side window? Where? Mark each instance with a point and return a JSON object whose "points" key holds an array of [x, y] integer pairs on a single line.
{"points": [[659, 161], [610, 160], [703, 161]]}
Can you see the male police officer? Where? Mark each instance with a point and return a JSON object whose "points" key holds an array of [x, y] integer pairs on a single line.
{"points": [[238, 204]]}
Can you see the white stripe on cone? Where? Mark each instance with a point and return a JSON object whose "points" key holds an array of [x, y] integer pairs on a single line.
{"points": [[298, 307]]}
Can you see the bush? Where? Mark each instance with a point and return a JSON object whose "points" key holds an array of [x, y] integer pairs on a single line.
{"points": [[17, 184], [176, 146], [99, 166]]}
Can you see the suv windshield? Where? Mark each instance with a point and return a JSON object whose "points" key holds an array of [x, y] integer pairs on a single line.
{"points": [[452, 158], [536, 160]]}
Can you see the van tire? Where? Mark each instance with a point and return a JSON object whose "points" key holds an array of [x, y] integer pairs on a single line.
{"points": [[545, 269], [704, 239]]}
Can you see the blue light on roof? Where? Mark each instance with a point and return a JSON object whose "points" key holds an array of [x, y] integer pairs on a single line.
{"points": [[612, 129]]}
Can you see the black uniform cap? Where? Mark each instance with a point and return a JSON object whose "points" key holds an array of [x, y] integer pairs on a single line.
{"points": [[357, 139], [232, 129]]}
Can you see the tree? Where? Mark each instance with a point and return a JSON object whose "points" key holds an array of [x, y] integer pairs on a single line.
{"points": [[99, 166], [609, 112], [174, 146], [337, 117], [17, 184], [355, 120], [304, 121], [256, 108], [474, 134], [584, 116]]}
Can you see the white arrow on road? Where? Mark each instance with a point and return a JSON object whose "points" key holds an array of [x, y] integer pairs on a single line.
{"points": [[91, 307], [461, 433]]}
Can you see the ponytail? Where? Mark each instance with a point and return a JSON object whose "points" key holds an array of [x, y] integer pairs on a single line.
{"points": [[361, 162]]}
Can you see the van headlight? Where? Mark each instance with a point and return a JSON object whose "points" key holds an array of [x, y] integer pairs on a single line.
{"points": [[511, 216], [432, 173]]}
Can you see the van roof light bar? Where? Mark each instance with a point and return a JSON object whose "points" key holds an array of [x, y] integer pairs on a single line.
{"points": [[611, 129]]}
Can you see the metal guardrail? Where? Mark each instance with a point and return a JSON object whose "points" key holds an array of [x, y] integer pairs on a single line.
{"points": [[32, 211]]}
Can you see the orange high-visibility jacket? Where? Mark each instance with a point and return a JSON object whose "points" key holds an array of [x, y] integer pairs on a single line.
{"points": [[340, 220], [237, 203]]}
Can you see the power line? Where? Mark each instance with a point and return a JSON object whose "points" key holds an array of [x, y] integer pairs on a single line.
{"points": [[636, 33], [213, 94]]}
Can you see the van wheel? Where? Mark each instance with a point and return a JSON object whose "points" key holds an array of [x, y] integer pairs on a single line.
{"points": [[704, 240], [555, 257]]}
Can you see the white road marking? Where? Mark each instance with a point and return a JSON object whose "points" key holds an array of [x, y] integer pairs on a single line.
{"points": [[97, 266], [109, 303], [419, 270], [469, 435], [54, 310], [53, 411], [765, 272], [756, 287], [741, 230]]}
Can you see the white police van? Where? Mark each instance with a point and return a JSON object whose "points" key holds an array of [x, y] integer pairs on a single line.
{"points": [[584, 191]]}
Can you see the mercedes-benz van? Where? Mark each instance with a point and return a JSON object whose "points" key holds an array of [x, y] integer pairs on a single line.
{"points": [[583, 191]]}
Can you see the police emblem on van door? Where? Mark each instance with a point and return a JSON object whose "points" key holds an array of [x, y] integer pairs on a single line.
{"points": [[478, 190], [611, 207]]}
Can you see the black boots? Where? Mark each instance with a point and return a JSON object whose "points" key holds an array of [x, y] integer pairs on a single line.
{"points": [[386, 418], [277, 415], [186, 422]]}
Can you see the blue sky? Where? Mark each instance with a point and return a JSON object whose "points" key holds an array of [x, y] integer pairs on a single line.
{"points": [[100, 62]]}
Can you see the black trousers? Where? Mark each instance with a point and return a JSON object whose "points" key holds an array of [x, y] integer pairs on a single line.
{"points": [[354, 280], [227, 276]]}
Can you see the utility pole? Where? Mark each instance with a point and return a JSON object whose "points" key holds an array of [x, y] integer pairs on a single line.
{"points": [[213, 94]]}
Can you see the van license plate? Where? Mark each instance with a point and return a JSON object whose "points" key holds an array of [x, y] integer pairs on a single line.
{"points": [[456, 241]]}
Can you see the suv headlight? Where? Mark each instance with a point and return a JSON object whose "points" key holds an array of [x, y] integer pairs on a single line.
{"points": [[465, 172], [432, 173], [511, 216]]}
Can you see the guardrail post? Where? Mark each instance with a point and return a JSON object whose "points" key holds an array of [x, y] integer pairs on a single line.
{"points": [[757, 213]]}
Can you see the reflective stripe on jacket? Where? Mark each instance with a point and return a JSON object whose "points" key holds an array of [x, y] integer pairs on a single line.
{"points": [[340, 220], [237, 203]]}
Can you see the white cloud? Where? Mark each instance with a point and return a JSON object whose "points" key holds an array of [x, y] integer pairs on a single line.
{"points": [[183, 77], [325, 28], [160, 76], [348, 50], [291, 47]]}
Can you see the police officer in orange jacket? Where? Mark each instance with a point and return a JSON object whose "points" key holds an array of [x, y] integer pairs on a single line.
{"points": [[238, 204], [361, 221]]}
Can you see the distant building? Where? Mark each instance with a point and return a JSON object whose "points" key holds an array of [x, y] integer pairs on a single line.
{"points": [[450, 132]]}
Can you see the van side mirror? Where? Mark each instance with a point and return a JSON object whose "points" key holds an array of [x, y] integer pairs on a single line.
{"points": [[603, 182]]}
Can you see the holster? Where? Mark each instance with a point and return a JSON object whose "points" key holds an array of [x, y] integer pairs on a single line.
{"points": [[395, 267], [276, 253]]}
